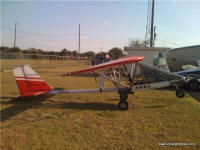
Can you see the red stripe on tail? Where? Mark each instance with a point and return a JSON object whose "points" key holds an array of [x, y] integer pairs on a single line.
{"points": [[29, 82], [30, 88]]}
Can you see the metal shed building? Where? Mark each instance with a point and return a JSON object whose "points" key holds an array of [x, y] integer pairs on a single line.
{"points": [[178, 57]]}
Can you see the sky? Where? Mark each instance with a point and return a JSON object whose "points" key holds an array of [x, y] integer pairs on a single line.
{"points": [[53, 25]]}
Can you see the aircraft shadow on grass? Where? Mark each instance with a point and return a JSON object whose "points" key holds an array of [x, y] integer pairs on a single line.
{"points": [[21, 105], [156, 106], [95, 106]]}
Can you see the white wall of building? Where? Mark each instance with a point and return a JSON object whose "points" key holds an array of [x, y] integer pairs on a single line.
{"points": [[152, 56]]}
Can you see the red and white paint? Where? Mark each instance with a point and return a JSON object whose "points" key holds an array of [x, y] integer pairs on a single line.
{"points": [[29, 82]]}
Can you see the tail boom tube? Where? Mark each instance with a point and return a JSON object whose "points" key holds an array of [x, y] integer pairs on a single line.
{"points": [[83, 91]]}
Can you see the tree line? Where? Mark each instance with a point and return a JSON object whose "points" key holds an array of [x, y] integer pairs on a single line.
{"points": [[113, 52]]}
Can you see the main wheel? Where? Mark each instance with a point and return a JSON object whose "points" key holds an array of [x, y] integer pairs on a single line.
{"points": [[123, 96], [123, 105], [193, 85], [180, 93]]}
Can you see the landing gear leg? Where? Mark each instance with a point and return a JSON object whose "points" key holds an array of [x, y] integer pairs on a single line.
{"points": [[180, 93], [123, 104], [123, 96]]}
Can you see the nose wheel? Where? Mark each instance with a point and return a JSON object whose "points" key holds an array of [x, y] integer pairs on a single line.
{"points": [[123, 104], [180, 93]]}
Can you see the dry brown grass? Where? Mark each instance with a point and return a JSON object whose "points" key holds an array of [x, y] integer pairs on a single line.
{"points": [[93, 121]]}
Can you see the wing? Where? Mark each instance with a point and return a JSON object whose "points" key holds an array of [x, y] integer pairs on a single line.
{"points": [[195, 73], [188, 67], [110, 64]]}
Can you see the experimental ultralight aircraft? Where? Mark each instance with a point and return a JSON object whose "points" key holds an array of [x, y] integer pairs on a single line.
{"points": [[128, 74]]}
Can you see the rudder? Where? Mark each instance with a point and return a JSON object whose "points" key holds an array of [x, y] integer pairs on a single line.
{"points": [[29, 82]]}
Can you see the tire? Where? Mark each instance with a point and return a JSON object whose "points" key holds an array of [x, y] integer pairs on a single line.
{"points": [[180, 93], [193, 85], [123, 96], [123, 105]]}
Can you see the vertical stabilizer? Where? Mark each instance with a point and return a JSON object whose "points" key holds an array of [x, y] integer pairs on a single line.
{"points": [[29, 82]]}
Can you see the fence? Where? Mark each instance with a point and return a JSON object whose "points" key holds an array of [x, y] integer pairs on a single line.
{"points": [[11, 60]]}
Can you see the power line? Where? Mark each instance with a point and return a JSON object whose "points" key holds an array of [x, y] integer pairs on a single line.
{"points": [[49, 40], [170, 42], [88, 36], [100, 42], [37, 34], [99, 39]]}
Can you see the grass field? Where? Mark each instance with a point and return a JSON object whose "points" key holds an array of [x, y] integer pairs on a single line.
{"points": [[93, 121]]}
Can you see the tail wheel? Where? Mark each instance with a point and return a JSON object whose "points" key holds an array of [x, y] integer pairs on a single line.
{"points": [[123, 105], [180, 93], [193, 85]]}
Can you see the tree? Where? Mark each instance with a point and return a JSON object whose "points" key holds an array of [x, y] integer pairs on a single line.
{"points": [[50, 53], [32, 50], [25, 51], [99, 58], [138, 43], [5, 49], [74, 53], [63, 52], [69, 53], [90, 54], [40, 51], [100, 55], [15, 50], [115, 53]]}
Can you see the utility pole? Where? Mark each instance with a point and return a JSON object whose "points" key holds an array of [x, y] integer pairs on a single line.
{"points": [[154, 36], [152, 26], [15, 35], [79, 40]]}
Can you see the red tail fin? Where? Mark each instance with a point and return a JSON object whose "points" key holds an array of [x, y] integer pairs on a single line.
{"points": [[29, 82]]}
